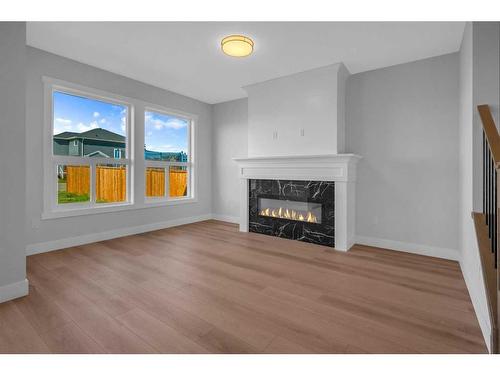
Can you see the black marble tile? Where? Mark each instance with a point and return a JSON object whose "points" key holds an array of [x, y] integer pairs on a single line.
{"points": [[322, 192]]}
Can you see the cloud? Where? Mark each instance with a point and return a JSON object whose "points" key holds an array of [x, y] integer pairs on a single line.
{"points": [[62, 125], [171, 123], [96, 114], [61, 129], [102, 121], [81, 127], [63, 120], [123, 124]]}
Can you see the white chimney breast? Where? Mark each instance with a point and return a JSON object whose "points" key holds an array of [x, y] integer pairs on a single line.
{"points": [[300, 114]]}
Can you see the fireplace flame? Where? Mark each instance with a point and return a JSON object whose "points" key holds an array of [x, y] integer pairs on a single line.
{"points": [[290, 214]]}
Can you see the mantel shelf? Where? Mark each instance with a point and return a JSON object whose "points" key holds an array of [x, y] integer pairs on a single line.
{"points": [[334, 167], [302, 158]]}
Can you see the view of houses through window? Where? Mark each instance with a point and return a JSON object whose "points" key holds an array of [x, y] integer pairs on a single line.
{"points": [[85, 128], [92, 160], [166, 150]]}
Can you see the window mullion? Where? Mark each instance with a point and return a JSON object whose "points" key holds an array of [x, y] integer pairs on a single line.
{"points": [[54, 187], [70, 160], [189, 183], [93, 178], [167, 182]]}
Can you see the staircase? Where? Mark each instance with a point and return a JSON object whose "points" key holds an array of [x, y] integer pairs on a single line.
{"points": [[486, 222]]}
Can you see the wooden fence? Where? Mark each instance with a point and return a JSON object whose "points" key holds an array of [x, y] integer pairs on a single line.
{"points": [[178, 183], [78, 179], [111, 182], [155, 182]]}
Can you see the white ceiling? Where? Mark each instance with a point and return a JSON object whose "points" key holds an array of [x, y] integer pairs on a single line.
{"points": [[185, 57]]}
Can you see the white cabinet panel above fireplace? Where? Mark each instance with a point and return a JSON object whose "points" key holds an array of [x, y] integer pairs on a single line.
{"points": [[300, 114]]}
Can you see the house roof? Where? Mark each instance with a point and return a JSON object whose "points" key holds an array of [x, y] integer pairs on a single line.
{"points": [[97, 153], [66, 135], [97, 133]]}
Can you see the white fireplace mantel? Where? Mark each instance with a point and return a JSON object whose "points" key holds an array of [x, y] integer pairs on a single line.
{"points": [[340, 168]]}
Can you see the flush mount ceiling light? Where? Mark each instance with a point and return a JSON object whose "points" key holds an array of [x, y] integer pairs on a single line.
{"points": [[237, 45]]}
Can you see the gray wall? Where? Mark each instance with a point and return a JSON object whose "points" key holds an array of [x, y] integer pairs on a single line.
{"points": [[229, 141], [403, 121], [12, 150], [40, 63]]}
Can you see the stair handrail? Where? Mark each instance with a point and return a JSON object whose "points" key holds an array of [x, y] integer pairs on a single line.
{"points": [[487, 223], [491, 132]]}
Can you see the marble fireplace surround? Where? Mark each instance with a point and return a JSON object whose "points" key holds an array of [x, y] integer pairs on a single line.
{"points": [[315, 197], [340, 168]]}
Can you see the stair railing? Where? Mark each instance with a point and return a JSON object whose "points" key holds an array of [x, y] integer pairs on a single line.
{"points": [[486, 223]]}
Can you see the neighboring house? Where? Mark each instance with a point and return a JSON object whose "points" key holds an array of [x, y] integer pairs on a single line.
{"points": [[103, 143], [96, 142]]}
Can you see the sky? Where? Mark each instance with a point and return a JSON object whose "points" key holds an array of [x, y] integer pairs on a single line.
{"points": [[77, 114], [165, 132]]}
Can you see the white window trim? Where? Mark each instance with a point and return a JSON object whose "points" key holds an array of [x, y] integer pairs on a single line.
{"points": [[190, 164], [51, 207], [136, 197]]}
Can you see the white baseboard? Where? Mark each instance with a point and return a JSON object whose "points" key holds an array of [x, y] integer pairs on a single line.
{"points": [[226, 218], [15, 290], [43, 247], [433, 251], [484, 321]]}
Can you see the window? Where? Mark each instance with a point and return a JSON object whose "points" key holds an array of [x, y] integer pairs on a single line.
{"points": [[89, 153], [90, 150], [167, 156]]}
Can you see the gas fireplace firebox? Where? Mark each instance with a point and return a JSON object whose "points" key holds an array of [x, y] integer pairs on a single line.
{"points": [[298, 210]]}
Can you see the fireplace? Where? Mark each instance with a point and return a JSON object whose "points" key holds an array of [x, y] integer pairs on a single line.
{"points": [[293, 209], [316, 195]]}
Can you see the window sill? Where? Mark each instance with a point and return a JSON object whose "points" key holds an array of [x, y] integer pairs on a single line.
{"points": [[155, 202], [80, 211]]}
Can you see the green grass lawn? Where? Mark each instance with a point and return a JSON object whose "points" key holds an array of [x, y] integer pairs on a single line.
{"points": [[65, 197]]}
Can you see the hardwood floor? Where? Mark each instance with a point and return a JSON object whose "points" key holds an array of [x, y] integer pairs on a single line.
{"points": [[206, 288]]}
